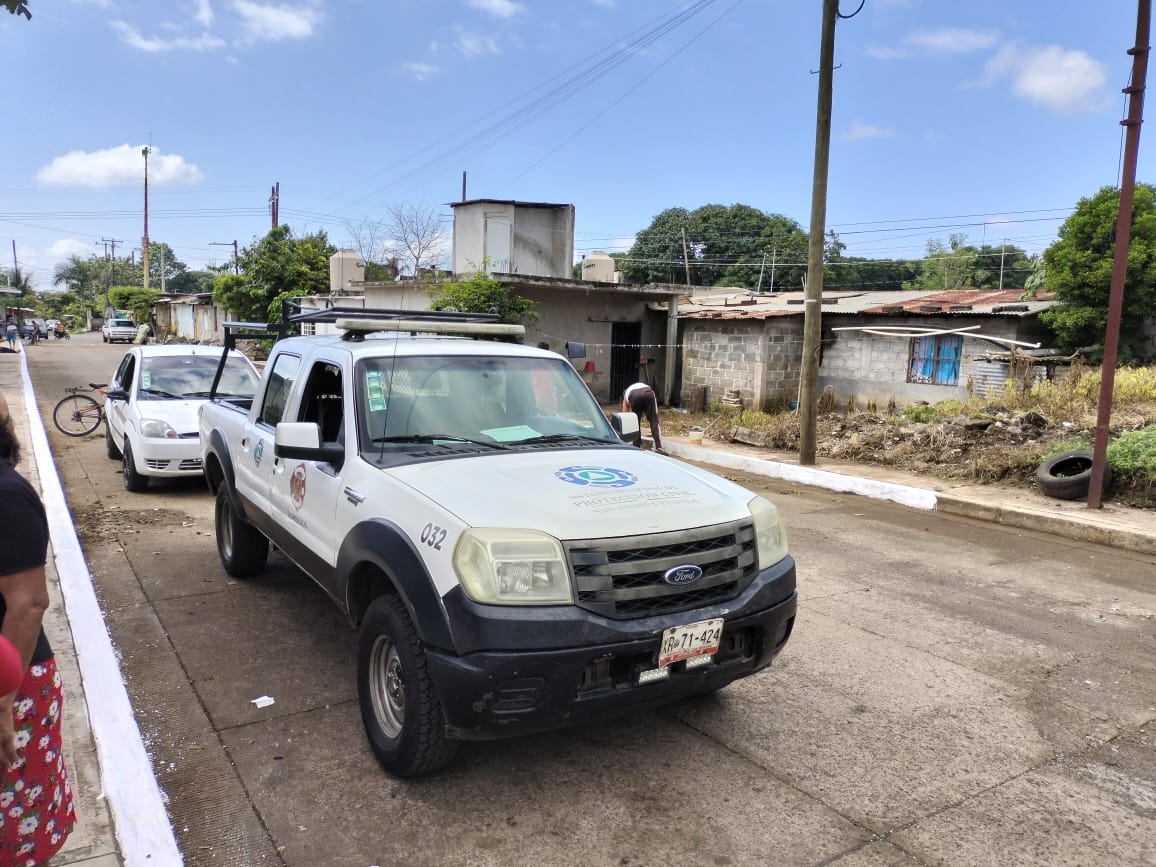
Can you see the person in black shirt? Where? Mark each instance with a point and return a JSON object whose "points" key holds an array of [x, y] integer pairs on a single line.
{"points": [[35, 794], [641, 400]]}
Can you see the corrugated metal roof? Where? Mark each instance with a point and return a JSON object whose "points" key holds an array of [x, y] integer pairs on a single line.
{"points": [[743, 304]]}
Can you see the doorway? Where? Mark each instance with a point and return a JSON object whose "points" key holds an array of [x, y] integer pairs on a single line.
{"points": [[625, 353]]}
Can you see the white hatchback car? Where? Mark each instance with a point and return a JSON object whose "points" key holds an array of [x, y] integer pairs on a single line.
{"points": [[153, 403]]}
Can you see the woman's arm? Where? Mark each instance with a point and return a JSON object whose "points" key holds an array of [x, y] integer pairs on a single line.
{"points": [[26, 598]]}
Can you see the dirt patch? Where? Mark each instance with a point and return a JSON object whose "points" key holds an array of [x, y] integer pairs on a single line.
{"points": [[98, 525], [994, 446]]}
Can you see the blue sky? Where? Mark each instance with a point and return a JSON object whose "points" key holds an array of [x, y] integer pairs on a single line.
{"points": [[987, 117]]}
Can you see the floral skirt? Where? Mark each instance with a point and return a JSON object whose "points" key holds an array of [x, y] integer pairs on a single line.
{"points": [[36, 814]]}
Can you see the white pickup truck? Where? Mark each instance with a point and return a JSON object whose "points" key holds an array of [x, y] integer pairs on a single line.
{"points": [[510, 564]]}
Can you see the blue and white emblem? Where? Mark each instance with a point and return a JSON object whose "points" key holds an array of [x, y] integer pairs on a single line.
{"points": [[598, 477], [682, 575]]}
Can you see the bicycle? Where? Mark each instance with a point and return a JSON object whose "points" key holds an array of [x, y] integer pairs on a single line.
{"points": [[79, 414]]}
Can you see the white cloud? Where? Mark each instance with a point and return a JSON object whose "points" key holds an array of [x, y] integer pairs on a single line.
{"points": [[203, 13], [859, 131], [66, 247], [420, 71], [476, 44], [946, 40], [271, 23], [1066, 81], [500, 8], [155, 45], [121, 166], [100, 4], [607, 4]]}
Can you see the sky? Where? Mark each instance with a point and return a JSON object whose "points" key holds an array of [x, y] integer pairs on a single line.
{"points": [[987, 118]]}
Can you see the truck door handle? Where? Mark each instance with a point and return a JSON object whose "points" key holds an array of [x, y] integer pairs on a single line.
{"points": [[353, 496]]}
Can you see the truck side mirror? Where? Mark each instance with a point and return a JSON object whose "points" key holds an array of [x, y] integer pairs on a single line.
{"points": [[116, 394], [625, 424], [301, 440]]}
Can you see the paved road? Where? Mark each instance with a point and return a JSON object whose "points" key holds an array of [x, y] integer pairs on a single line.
{"points": [[954, 693]]}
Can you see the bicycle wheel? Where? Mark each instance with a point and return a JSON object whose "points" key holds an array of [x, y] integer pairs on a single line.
{"points": [[77, 415]]}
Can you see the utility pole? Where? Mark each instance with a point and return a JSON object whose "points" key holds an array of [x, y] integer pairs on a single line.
{"points": [[759, 287], [233, 244], [812, 305], [1002, 253], [144, 255], [275, 202], [685, 258], [109, 242], [774, 253], [1135, 92]]}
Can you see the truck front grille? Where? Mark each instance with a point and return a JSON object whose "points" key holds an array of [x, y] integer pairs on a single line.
{"points": [[624, 578]]}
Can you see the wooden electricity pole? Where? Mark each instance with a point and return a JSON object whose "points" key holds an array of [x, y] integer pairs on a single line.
{"points": [[1135, 91], [812, 312]]}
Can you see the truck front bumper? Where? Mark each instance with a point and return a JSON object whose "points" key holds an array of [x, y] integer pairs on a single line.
{"points": [[492, 694]]}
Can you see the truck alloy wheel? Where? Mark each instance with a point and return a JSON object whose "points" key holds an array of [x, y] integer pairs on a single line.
{"points": [[133, 481], [242, 547], [399, 708]]}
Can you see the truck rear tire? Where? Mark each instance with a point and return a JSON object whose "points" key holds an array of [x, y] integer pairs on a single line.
{"points": [[399, 708], [243, 548], [134, 482]]}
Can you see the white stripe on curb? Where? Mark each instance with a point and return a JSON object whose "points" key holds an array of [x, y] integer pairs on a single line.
{"points": [[142, 826], [916, 498]]}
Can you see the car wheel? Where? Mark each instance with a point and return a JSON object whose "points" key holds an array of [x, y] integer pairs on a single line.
{"points": [[133, 481], [399, 708], [1068, 476], [110, 444], [242, 547]]}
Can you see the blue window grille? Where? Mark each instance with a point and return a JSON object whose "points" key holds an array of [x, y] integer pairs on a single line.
{"points": [[935, 359]]}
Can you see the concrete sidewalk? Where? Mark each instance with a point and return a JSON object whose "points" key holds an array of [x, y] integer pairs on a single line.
{"points": [[120, 809]]}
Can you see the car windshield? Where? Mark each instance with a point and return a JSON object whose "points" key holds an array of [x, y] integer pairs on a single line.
{"points": [[164, 377], [445, 401]]}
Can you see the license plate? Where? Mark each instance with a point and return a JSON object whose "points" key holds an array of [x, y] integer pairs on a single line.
{"points": [[693, 639]]}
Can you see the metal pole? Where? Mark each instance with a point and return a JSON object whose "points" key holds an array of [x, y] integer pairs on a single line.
{"points": [[1135, 92], [1002, 253], [759, 287], [685, 258], [812, 312], [774, 253], [144, 257], [236, 259]]}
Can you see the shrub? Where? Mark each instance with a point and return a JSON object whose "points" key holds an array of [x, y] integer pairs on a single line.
{"points": [[1134, 452]]}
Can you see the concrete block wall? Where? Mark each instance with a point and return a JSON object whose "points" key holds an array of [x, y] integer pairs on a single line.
{"points": [[722, 355], [784, 362]]}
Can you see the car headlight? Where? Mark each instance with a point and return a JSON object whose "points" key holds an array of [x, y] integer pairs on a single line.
{"points": [[158, 429], [512, 567], [770, 534]]}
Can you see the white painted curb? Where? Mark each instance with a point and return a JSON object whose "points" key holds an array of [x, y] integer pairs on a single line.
{"points": [[141, 823], [916, 498]]}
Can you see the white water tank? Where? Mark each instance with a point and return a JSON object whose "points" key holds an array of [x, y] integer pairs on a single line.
{"points": [[598, 266], [345, 267]]}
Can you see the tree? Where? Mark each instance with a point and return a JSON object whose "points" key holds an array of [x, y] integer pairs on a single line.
{"points": [[18, 7], [726, 246], [369, 243], [278, 266], [481, 293], [1005, 264], [950, 267], [856, 273], [135, 299], [1079, 271], [417, 240]]}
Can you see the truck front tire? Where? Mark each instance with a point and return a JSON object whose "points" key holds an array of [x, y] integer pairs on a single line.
{"points": [[243, 548], [399, 708]]}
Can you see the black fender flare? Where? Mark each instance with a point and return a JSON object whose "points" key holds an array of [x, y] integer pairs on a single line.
{"points": [[383, 544], [219, 449]]}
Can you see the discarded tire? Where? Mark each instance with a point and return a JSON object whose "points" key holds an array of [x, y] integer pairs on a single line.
{"points": [[1068, 476]]}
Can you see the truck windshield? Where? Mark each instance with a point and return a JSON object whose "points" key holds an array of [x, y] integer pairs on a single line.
{"points": [[416, 400], [189, 377]]}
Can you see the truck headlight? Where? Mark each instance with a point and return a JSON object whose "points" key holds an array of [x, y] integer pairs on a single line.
{"points": [[512, 567], [157, 429], [770, 534]]}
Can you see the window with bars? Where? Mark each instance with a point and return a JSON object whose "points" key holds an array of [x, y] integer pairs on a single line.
{"points": [[935, 359]]}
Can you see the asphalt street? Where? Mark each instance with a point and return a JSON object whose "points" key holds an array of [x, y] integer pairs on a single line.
{"points": [[955, 692]]}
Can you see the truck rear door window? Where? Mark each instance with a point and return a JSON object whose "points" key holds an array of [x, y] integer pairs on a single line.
{"points": [[281, 381]]}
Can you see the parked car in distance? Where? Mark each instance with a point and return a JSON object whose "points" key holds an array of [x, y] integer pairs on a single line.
{"points": [[116, 330], [152, 407]]}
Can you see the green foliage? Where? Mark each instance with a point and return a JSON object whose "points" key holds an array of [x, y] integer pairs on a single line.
{"points": [[481, 293], [278, 266], [1134, 452], [18, 7], [726, 246], [1079, 271], [136, 299], [959, 265], [921, 413]]}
